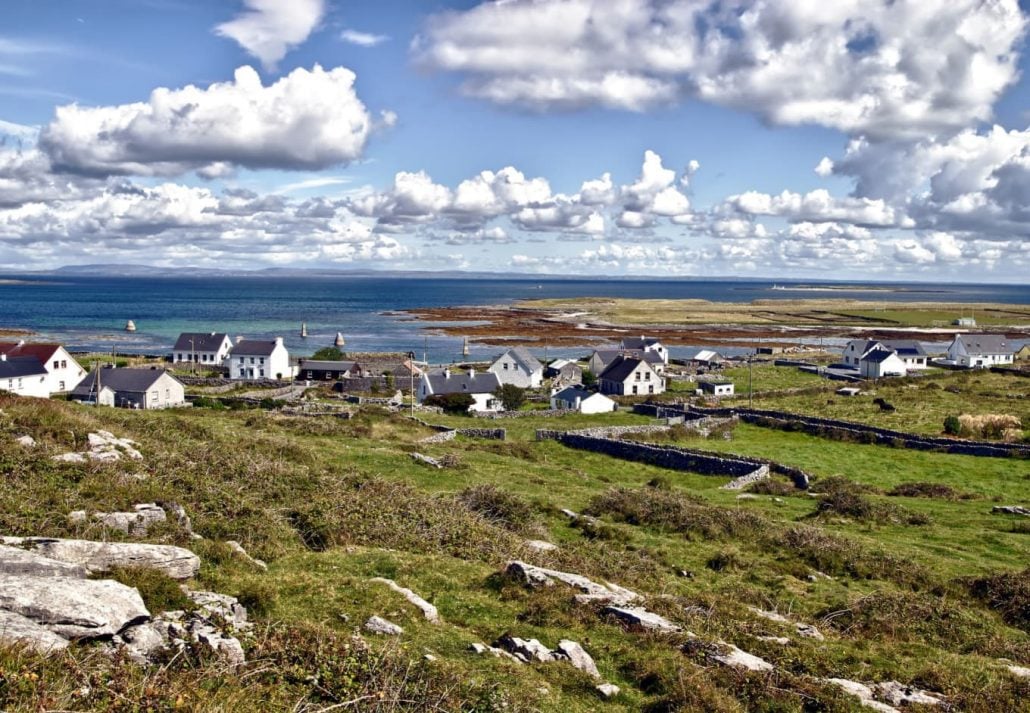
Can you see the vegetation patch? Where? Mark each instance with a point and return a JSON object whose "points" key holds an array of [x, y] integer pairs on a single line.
{"points": [[936, 491], [1008, 593], [498, 507]]}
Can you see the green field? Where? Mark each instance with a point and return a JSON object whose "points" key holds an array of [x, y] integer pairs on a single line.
{"points": [[330, 504]]}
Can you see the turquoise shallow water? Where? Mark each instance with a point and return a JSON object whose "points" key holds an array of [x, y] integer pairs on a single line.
{"points": [[90, 312]]}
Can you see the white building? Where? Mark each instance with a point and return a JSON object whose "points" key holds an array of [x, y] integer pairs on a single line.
{"points": [[254, 359], [980, 351], [879, 363], [630, 376], [909, 351], [517, 366], [131, 388], [206, 349], [63, 372], [577, 399], [648, 345], [24, 376], [480, 386], [717, 388], [601, 359]]}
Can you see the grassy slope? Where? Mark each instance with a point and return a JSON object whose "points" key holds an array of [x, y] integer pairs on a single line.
{"points": [[352, 487]]}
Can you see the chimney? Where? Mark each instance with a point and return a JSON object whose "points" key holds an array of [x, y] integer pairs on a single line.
{"points": [[3, 357], [278, 341], [239, 338], [446, 373], [472, 372]]}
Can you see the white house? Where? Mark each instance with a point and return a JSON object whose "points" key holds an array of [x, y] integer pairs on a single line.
{"points": [[909, 351], [517, 366], [63, 372], [480, 386], [630, 376], [879, 363], [601, 359], [131, 388], [24, 376], [202, 348], [980, 351], [646, 345], [717, 388], [575, 398], [708, 357], [253, 359]]}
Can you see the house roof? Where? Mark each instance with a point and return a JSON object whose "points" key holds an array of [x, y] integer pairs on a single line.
{"points": [[201, 341], [639, 342], [904, 347], [323, 365], [41, 352], [571, 394], [523, 358], [254, 347], [712, 384], [131, 380], [607, 356], [13, 368], [878, 356], [560, 363], [461, 382], [707, 355], [621, 368], [985, 343]]}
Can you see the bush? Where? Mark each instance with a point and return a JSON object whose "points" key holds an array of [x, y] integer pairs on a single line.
{"points": [[1007, 593], [589, 378], [498, 507], [937, 491], [511, 396], [454, 404], [328, 354], [675, 511], [952, 426]]}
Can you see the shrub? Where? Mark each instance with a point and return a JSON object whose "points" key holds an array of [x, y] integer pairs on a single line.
{"points": [[952, 426], [589, 378], [675, 511], [1007, 593], [454, 404], [937, 491], [510, 396], [328, 354], [772, 486], [498, 507]]}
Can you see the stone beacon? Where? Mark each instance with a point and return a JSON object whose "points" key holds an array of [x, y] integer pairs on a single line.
{"points": [[339, 341], [130, 326]]}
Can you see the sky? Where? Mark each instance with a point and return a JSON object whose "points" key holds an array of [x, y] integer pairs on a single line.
{"points": [[853, 139]]}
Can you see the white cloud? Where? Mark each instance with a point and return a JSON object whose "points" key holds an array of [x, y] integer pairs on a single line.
{"points": [[362, 39], [305, 121], [881, 69], [653, 194], [817, 206], [268, 29]]}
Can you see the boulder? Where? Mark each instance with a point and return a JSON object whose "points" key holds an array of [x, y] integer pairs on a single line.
{"points": [[863, 693], [1010, 510], [732, 656], [378, 625], [135, 523], [176, 562], [898, 694], [1019, 671], [219, 606], [592, 591], [14, 560], [26, 441], [428, 610], [493, 650], [15, 628], [577, 656], [426, 460], [525, 650], [638, 618], [73, 608], [607, 690]]}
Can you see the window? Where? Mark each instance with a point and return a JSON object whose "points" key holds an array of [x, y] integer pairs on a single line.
{"points": [[57, 364], [154, 395], [168, 394], [634, 389], [252, 360], [647, 376], [311, 375], [261, 373], [261, 360], [650, 388], [60, 386], [505, 365]]}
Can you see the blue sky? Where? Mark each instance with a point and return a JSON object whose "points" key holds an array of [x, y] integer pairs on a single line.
{"points": [[884, 140]]}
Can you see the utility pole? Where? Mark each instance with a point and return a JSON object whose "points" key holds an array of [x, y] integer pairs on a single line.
{"points": [[193, 357], [750, 382], [411, 377]]}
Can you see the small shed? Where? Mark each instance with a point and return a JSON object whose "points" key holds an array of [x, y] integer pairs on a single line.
{"points": [[717, 388]]}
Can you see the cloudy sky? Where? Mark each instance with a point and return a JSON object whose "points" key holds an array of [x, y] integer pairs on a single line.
{"points": [[878, 139]]}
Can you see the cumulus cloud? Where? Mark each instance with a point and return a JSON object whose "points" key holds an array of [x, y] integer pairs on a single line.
{"points": [[268, 29], [308, 120], [362, 39], [817, 206], [881, 69]]}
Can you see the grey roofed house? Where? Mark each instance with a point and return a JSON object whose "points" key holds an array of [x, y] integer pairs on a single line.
{"points": [[526, 360], [607, 356], [254, 347], [904, 347], [641, 343], [877, 356], [572, 393], [621, 368], [127, 380], [460, 382], [984, 344], [199, 341], [21, 366]]}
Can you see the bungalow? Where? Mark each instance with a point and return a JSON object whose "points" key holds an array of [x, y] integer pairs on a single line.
{"points": [[564, 371], [259, 359], [601, 359], [63, 372], [575, 398], [909, 351], [480, 386], [24, 376], [131, 388], [646, 345], [321, 370], [717, 388], [202, 348], [881, 362], [979, 351], [517, 366], [630, 376], [708, 357]]}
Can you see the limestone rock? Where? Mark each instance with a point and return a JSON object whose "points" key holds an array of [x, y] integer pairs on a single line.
{"points": [[17, 628], [541, 546], [493, 650], [740, 659], [1020, 671], [237, 548], [607, 690], [378, 625], [577, 656], [14, 560], [73, 608], [221, 606], [898, 694], [806, 630], [70, 458], [525, 650], [1010, 510], [781, 640], [592, 591], [26, 441], [638, 618], [863, 693], [176, 562], [428, 610], [136, 522], [426, 460]]}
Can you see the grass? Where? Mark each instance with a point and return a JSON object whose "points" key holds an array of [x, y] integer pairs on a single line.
{"points": [[330, 504]]}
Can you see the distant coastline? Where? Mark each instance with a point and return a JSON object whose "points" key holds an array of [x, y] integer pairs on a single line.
{"points": [[856, 288]]}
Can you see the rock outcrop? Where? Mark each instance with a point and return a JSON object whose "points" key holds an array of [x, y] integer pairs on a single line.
{"points": [[641, 619], [135, 523], [379, 625], [1010, 510], [14, 560], [99, 557], [428, 610], [577, 656], [20, 629], [592, 591]]}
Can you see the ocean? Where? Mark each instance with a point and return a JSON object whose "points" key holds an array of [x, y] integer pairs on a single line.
{"points": [[89, 313]]}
